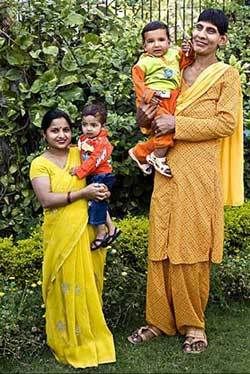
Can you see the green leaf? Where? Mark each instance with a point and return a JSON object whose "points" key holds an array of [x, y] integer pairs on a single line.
{"points": [[247, 91], [48, 102], [69, 79], [6, 199], [46, 81], [75, 93], [13, 169], [36, 118], [16, 57], [232, 60], [51, 50], [36, 86], [15, 212], [13, 74], [91, 38], [68, 62], [23, 88], [25, 193], [35, 54], [74, 19], [11, 112], [4, 84], [2, 41], [25, 41]]}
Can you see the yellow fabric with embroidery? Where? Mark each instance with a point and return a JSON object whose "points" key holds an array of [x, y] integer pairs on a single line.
{"points": [[72, 275], [232, 157]]}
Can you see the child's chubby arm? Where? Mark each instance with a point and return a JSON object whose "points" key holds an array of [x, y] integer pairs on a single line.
{"points": [[187, 54], [143, 93], [101, 153], [73, 170]]}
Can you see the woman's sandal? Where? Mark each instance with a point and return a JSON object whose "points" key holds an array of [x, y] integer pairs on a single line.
{"points": [[143, 334], [195, 341]]}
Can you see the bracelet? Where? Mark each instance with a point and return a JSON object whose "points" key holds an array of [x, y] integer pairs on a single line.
{"points": [[69, 197]]}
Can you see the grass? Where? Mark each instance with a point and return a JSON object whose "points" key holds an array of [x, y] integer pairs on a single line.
{"points": [[228, 351]]}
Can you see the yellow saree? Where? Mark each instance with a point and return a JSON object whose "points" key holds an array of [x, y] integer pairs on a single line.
{"points": [[72, 275]]}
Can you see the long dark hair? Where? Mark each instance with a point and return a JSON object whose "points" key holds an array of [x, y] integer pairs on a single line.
{"points": [[54, 114]]}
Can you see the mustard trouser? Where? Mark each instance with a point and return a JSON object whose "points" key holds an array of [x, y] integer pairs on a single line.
{"points": [[177, 295]]}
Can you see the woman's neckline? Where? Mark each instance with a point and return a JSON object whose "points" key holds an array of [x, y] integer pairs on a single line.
{"points": [[59, 160], [196, 71]]}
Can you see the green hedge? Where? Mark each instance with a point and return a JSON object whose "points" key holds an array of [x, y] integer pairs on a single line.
{"points": [[127, 262], [22, 309]]}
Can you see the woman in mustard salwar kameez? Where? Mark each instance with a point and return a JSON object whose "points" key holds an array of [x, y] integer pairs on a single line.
{"points": [[186, 213], [72, 275]]}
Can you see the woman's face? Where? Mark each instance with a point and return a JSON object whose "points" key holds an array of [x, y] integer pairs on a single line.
{"points": [[58, 134], [206, 38]]}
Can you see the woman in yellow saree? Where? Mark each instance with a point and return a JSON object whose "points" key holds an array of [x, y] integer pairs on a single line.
{"points": [[72, 275]]}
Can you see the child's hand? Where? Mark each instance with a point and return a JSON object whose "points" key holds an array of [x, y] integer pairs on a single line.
{"points": [[187, 47], [73, 171], [162, 94]]}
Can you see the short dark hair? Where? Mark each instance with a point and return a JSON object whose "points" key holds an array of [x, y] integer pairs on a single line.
{"points": [[154, 25], [217, 17], [52, 114], [97, 110]]}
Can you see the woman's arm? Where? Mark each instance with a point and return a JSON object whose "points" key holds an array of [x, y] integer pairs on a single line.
{"points": [[48, 199], [145, 113]]}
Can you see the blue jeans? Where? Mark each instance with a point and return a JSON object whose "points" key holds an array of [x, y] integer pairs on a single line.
{"points": [[98, 209]]}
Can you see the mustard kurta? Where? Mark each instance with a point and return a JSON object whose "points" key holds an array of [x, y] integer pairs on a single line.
{"points": [[72, 275], [186, 215]]}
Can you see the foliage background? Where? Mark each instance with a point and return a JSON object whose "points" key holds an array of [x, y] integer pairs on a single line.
{"points": [[22, 309], [62, 53]]}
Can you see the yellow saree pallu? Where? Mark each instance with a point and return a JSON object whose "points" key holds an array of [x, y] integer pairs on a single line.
{"points": [[232, 155], [72, 276]]}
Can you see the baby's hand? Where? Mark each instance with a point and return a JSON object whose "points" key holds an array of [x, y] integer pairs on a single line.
{"points": [[162, 94], [187, 47], [73, 171]]}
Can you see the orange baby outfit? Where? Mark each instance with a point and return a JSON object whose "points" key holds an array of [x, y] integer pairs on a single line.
{"points": [[95, 152], [152, 74]]}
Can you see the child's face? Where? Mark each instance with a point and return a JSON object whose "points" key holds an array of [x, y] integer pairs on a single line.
{"points": [[91, 126], [156, 42]]}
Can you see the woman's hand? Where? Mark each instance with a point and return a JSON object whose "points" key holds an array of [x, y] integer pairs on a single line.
{"points": [[96, 191], [164, 124], [146, 112]]}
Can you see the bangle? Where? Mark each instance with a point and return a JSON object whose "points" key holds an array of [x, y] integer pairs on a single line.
{"points": [[69, 197]]}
